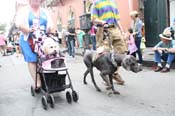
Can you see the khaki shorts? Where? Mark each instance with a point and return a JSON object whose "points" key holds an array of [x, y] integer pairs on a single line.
{"points": [[115, 38]]}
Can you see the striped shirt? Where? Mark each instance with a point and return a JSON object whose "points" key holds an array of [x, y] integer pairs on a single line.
{"points": [[105, 10]]}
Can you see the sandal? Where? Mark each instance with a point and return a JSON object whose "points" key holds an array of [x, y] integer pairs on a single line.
{"points": [[121, 82], [37, 89]]}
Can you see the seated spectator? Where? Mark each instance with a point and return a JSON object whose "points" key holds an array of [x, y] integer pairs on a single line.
{"points": [[165, 50]]}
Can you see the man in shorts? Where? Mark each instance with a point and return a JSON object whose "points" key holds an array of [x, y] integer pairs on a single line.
{"points": [[105, 12]]}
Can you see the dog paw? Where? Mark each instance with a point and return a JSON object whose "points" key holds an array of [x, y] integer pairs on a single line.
{"points": [[85, 83], [108, 88], [99, 90], [116, 92], [110, 93]]}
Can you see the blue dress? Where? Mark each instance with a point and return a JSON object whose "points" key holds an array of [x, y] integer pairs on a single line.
{"points": [[30, 56]]}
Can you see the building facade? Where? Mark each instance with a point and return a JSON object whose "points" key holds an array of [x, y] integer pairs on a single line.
{"points": [[66, 12], [157, 14]]}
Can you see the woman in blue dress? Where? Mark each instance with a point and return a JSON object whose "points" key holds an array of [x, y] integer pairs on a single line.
{"points": [[28, 20]]}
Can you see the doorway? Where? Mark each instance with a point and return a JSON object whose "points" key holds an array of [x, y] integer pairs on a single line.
{"points": [[156, 19]]}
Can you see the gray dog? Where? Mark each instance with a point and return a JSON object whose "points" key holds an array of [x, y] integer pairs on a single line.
{"points": [[107, 64]]}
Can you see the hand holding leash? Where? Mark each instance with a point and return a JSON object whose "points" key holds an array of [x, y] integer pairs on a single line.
{"points": [[106, 26], [32, 29]]}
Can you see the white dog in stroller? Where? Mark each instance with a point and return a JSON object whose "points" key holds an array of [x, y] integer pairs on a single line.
{"points": [[50, 47], [51, 53]]}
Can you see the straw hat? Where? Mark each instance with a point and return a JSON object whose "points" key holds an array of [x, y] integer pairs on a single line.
{"points": [[133, 13], [166, 34]]}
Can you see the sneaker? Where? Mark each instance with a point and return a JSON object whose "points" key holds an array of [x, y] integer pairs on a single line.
{"points": [[121, 82], [118, 79], [158, 68], [69, 56], [104, 83], [38, 90], [165, 70]]}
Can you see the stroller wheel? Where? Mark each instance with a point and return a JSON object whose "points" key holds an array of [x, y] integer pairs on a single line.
{"points": [[32, 91], [68, 97], [51, 101], [75, 96], [44, 102]]}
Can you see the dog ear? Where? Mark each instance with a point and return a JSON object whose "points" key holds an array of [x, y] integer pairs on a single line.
{"points": [[126, 63]]}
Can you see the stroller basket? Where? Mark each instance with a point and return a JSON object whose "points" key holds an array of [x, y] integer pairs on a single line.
{"points": [[55, 82], [55, 64]]}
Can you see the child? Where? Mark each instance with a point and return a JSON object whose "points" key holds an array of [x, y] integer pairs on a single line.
{"points": [[131, 43]]}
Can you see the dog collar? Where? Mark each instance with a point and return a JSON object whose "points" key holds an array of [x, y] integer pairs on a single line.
{"points": [[113, 60]]}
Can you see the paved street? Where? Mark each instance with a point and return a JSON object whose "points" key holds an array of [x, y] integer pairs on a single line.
{"points": [[144, 94]]}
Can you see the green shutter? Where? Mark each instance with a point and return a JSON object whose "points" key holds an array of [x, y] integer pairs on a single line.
{"points": [[155, 18]]}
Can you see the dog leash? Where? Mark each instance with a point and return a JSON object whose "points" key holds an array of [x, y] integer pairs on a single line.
{"points": [[113, 58], [52, 38], [107, 36], [106, 33]]}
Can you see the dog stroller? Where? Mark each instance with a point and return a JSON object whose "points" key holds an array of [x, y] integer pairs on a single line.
{"points": [[53, 73]]}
